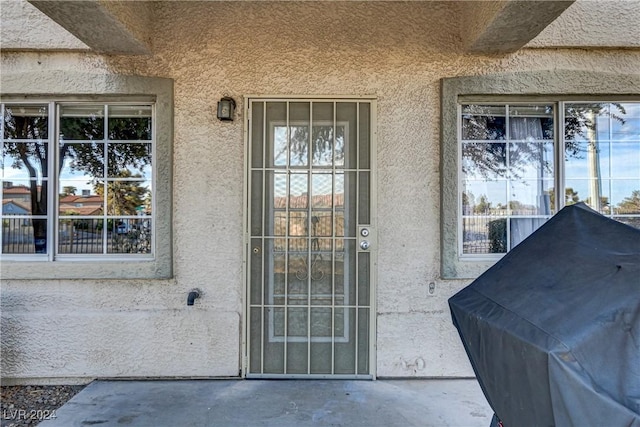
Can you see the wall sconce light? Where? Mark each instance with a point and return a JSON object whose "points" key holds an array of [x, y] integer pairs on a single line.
{"points": [[226, 109]]}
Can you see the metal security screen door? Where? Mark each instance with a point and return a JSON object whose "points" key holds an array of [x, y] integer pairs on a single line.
{"points": [[311, 238]]}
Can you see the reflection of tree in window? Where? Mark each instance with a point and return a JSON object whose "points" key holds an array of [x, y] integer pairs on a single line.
{"points": [[130, 128], [571, 196], [68, 190], [581, 119], [509, 145], [483, 207], [323, 143], [583, 139], [89, 158], [29, 122], [488, 159], [123, 197], [77, 123], [631, 204]]}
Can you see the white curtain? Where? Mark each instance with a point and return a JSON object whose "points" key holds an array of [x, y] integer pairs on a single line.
{"points": [[526, 128], [529, 129]]}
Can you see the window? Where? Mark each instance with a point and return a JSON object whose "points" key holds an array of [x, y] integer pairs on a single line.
{"points": [[86, 176], [518, 147], [101, 177], [508, 173]]}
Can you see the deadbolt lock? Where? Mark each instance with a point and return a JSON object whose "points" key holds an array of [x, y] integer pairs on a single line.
{"points": [[256, 250], [366, 238]]}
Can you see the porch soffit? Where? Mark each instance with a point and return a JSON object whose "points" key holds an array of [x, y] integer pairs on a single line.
{"points": [[121, 27], [494, 27], [105, 26]]}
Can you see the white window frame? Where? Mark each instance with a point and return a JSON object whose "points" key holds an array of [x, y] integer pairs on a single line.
{"points": [[54, 180], [557, 166], [557, 87], [100, 89]]}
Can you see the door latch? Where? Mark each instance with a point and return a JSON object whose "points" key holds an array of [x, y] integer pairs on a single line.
{"points": [[366, 239]]}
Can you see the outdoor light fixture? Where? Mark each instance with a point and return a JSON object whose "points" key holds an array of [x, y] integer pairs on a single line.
{"points": [[226, 108]]}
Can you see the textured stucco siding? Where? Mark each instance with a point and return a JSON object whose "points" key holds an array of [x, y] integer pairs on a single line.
{"points": [[136, 17], [397, 52], [25, 27], [594, 23], [93, 338]]}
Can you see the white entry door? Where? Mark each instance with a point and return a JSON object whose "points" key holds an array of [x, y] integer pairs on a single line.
{"points": [[311, 238]]}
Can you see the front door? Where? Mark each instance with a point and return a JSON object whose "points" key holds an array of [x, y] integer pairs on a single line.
{"points": [[311, 238]]}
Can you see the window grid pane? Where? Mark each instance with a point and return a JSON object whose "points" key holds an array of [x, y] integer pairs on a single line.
{"points": [[507, 173], [104, 178], [24, 178], [508, 180], [112, 174], [602, 154]]}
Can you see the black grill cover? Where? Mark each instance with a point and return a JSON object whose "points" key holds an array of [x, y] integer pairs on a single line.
{"points": [[553, 329]]}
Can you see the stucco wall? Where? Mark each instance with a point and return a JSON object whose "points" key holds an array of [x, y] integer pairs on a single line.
{"points": [[397, 52], [594, 23], [25, 27]]}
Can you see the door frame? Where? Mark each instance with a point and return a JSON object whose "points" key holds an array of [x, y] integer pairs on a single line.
{"points": [[373, 203]]}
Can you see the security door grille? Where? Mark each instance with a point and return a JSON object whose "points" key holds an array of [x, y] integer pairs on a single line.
{"points": [[311, 240]]}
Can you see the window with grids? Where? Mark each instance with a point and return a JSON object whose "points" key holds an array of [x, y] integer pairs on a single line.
{"points": [[77, 180], [521, 162]]}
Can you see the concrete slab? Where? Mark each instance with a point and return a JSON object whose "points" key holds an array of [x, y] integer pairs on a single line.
{"points": [[423, 403]]}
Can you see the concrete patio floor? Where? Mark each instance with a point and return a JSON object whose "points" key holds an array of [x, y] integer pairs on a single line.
{"points": [[411, 402]]}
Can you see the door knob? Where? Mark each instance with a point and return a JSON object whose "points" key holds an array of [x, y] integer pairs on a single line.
{"points": [[364, 245]]}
